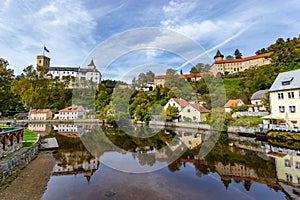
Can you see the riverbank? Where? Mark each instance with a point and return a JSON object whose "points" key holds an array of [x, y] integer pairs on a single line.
{"points": [[32, 180]]}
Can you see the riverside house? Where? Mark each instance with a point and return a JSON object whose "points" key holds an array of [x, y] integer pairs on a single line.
{"points": [[40, 114], [285, 99], [256, 101], [72, 112], [232, 103], [192, 110]]}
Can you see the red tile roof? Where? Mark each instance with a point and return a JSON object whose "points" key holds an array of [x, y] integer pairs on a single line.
{"points": [[181, 102], [244, 59], [160, 77], [40, 111], [200, 108], [232, 102], [73, 108]]}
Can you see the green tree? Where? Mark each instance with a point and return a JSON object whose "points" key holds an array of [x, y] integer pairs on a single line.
{"points": [[7, 99], [171, 112]]}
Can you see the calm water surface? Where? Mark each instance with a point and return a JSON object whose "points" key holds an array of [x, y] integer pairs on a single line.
{"points": [[97, 163]]}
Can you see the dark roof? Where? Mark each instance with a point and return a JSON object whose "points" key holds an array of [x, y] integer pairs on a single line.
{"points": [[286, 81], [91, 63], [72, 69], [218, 54], [259, 94]]}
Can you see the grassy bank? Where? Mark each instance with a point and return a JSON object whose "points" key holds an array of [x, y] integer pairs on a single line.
{"points": [[29, 137], [246, 121]]}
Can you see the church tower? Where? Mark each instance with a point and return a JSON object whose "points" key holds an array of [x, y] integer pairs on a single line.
{"points": [[43, 61], [218, 56]]}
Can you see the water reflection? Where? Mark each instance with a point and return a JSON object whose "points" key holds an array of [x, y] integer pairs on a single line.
{"points": [[236, 168]]}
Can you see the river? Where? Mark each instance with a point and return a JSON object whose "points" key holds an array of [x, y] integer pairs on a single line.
{"points": [[93, 162]]}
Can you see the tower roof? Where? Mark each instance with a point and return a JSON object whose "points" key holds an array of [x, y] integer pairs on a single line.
{"points": [[91, 63], [218, 54]]}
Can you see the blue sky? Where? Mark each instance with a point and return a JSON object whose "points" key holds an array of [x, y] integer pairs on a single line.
{"points": [[75, 31]]}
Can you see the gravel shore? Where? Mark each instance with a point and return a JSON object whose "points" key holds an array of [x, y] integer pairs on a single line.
{"points": [[32, 181]]}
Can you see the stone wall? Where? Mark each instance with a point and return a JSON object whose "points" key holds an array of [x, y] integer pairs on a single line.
{"points": [[181, 125], [10, 148], [249, 114], [242, 129], [17, 161]]}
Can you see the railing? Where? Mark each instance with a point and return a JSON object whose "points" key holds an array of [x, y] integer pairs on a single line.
{"points": [[284, 128], [9, 130]]}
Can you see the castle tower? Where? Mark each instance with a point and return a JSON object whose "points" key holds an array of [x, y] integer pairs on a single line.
{"points": [[43, 61], [91, 65], [218, 56]]}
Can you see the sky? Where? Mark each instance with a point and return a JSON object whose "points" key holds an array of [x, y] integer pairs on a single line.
{"points": [[128, 37]]}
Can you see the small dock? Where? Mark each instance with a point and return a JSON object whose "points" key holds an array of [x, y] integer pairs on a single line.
{"points": [[48, 144]]}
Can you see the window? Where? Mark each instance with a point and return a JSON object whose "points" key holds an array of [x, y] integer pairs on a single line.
{"points": [[188, 110], [292, 109], [299, 94], [287, 163], [297, 165], [298, 180], [288, 177], [281, 109], [280, 95], [291, 95]]}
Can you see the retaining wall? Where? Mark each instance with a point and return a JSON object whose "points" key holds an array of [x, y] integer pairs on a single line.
{"points": [[17, 161]]}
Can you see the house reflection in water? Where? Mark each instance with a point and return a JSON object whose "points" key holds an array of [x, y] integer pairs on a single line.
{"points": [[42, 129], [288, 169], [72, 157], [77, 162], [190, 140]]}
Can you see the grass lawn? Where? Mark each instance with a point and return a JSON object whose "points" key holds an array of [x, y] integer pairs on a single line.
{"points": [[246, 121], [29, 138]]}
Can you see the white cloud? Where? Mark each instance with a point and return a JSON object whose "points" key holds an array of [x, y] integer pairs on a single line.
{"points": [[65, 27]]}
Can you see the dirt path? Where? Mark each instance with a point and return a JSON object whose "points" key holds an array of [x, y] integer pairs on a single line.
{"points": [[32, 181]]}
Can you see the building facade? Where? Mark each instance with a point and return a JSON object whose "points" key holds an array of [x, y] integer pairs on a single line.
{"points": [[40, 114], [72, 112], [231, 103], [256, 101], [285, 98], [77, 75], [195, 112], [238, 65], [176, 102]]}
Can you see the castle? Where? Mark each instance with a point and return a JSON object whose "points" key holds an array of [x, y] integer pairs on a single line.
{"points": [[91, 73], [238, 65]]}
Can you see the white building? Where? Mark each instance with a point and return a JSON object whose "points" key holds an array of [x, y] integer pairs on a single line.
{"points": [[78, 74], [256, 101], [176, 102], [72, 112], [232, 103], [194, 111], [285, 98], [238, 65]]}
